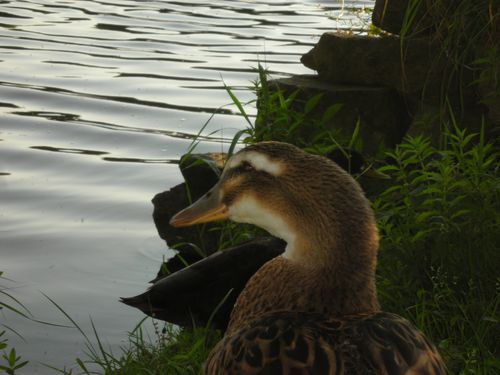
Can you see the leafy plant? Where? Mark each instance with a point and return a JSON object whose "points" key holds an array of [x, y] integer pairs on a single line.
{"points": [[10, 361], [13, 362], [440, 234]]}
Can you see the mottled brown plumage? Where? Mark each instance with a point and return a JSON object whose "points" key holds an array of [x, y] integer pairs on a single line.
{"points": [[310, 343], [314, 309]]}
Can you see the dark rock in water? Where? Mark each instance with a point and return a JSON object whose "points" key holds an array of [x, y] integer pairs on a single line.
{"points": [[362, 60], [206, 291], [357, 60], [200, 172], [191, 242]]}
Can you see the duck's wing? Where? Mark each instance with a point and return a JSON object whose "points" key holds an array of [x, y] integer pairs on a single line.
{"points": [[191, 295], [291, 343]]}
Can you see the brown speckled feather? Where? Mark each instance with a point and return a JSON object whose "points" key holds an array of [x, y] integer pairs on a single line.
{"points": [[307, 343]]}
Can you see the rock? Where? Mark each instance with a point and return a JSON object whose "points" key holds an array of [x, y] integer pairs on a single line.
{"points": [[192, 242], [380, 110], [363, 60], [200, 172]]}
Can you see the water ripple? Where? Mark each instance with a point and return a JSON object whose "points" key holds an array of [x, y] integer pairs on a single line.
{"points": [[121, 99]]}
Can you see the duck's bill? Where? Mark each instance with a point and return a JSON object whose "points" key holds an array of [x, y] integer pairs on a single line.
{"points": [[207, 208]]}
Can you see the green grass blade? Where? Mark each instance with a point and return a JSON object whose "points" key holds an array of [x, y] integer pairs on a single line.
{"points": [[238, 104]]}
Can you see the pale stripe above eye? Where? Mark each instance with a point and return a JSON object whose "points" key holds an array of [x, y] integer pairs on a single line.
{"points": [[259, 162]]}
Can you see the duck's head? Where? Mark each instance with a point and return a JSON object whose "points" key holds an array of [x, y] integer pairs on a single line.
{"points": [[305, 199]]}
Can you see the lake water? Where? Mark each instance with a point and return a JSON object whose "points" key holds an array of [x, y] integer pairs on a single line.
{"points": [[98, 99]]}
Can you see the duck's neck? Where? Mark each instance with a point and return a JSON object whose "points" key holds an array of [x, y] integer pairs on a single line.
{"points": [[326, 276], [342, 264]]}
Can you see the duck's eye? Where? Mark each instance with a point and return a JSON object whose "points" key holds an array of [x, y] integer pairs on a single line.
{"points": [[243, 167], [247, 167]]}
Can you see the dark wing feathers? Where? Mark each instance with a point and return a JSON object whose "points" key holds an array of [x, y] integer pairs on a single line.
{"points": [[293, 343], [193, 294]]}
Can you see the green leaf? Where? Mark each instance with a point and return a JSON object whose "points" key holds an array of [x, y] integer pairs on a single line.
{"points": [[235, 140], [238, 105], [354, 137], [20, 365], [82, 365], [419, 235], [388, 168], [392, 189], [330, 112], [432, 190], [312, 103], [459, 214], [424, 216], [12, 359]]}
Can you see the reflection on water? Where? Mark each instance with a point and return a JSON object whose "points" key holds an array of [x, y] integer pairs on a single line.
{"points": [[98, 99], [69, 150]]}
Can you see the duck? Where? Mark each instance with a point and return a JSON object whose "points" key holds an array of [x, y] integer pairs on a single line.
{"points": [[314, 308], [194, 291]]}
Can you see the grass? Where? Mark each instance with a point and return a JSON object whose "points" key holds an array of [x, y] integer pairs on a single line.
{"points": [[170, 351], [467, 35]]}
